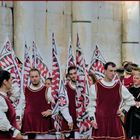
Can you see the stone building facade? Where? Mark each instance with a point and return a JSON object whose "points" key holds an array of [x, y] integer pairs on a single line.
{"points": [[113, 26]]}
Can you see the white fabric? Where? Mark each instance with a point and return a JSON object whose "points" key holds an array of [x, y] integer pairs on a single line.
{"points": [[45, 136], [64, 110], [126, 103], [4, 122], [76, 135]]}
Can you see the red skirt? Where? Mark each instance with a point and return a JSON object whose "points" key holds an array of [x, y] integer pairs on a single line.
{"points": [[36, 123], [109, 127]]}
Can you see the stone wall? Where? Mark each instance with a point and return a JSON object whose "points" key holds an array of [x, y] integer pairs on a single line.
{"points": [[110, 25]]}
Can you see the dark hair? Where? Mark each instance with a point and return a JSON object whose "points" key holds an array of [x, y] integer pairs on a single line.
{"points": [[4, 75], [93, 77], [120, 70], [67, 75], [49, 78], [35, 69], [109, 64], [71, 68]]}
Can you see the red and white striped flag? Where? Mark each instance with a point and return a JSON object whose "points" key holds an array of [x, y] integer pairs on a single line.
{"points": [[97, 64], [37, 62], [55, 84], [82, 115], [70, 60], [62, 97], [55, 70], [26, 67], [8, 61]]}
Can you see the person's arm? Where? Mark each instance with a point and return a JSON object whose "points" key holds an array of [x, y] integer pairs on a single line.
{"points": [[4, 122], [65, 112], [48, 95], [15, 93], [20, 107], [49, 99], [127, 100], [92, 102]]}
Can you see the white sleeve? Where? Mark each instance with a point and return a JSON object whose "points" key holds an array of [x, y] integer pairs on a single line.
{"points": [[21, 106], [4, 122], [49, 95], [66, 114], [15, 90], [127, 99], [65, 110], [92, 102]]}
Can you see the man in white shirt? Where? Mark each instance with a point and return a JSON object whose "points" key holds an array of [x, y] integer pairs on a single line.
{"points": [[109, 100]]}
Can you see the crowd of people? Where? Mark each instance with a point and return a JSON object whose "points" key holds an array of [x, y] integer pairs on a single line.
{"points": [[114, 106]]}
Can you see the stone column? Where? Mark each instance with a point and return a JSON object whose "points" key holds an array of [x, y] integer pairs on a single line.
{"points": [[23, 26], [6, 25], [82, 24], [130, 32], [58, 21]]}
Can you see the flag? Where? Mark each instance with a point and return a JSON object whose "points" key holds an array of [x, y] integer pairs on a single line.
{"points": [[62, 102], [62, 96], [70, 60], [55, 70], [26, 67], [8, 61], [37, 62], [83, 119], [97, 63], [55, 84]]}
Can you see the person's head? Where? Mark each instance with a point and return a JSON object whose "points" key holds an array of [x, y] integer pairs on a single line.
{"points": [[110, 71], [136, 78], [72, 72], [48, 82], [35, 76], [120, 72], [5, 80], [92, 78], [134, 67]]}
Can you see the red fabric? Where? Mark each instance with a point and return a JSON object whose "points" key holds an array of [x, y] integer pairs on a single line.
{"points": [[72, 109], [33, 121], [108, 101], [128, 82], [11, 116]]}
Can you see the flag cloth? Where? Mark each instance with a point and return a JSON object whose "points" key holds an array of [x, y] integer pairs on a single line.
{"points": [[62, 96], [83, 119], [26, 67], [55, 84], [55, 70], [8, 61], [37, 62], [97, 64], [70, 60]]}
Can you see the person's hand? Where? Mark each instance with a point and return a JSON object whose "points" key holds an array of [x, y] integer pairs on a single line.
{"points": [[94, 124], [137, 104], [19, 136], [19, 124], [46, 113], [70, 125], [120, 113]]}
